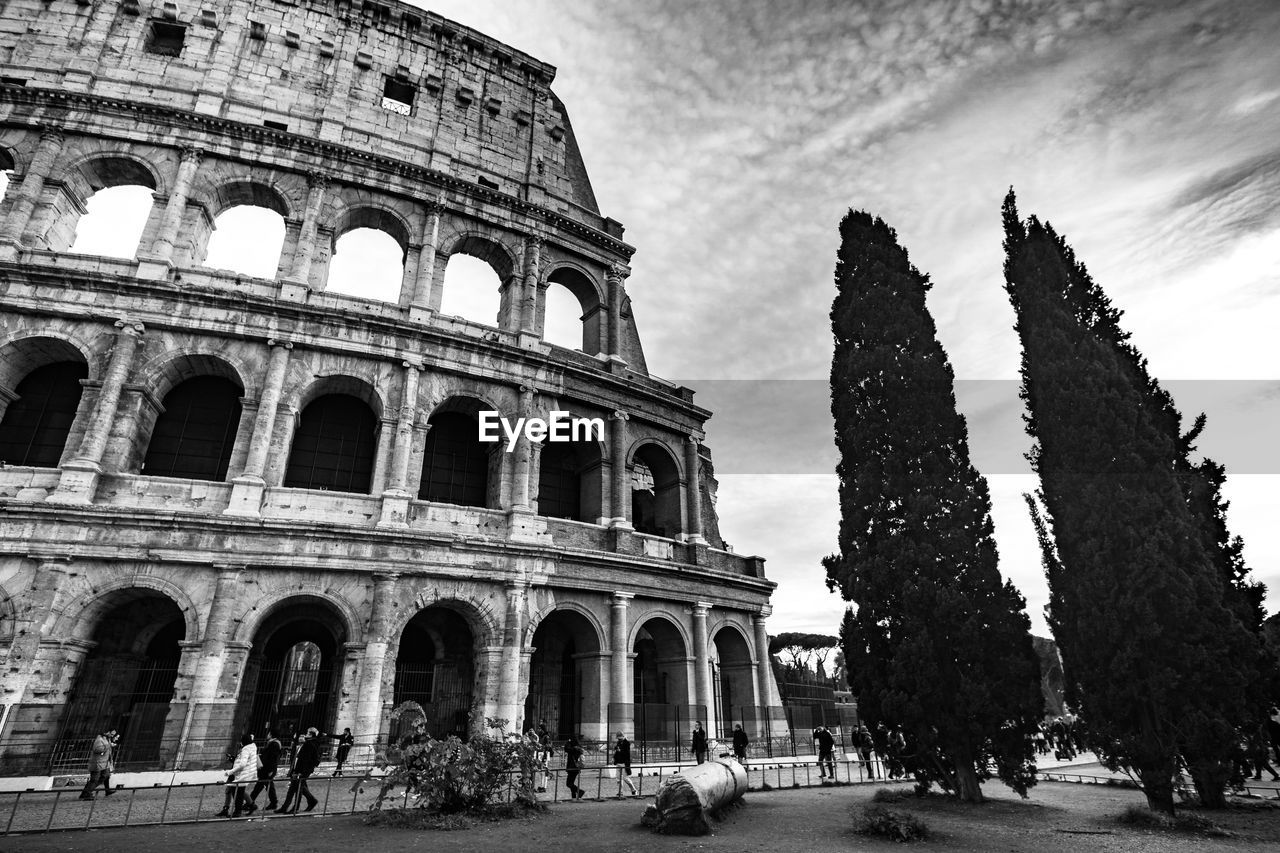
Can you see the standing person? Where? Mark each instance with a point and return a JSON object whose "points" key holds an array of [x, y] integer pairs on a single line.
{"points": [[345, 740], [698, 743], [532, 738], [740, 743], [865, 746], [826, 753], [572, 767], [268, 766], [101, 763], [243, 771], [305, 764], [897, 748], [622, 760]]}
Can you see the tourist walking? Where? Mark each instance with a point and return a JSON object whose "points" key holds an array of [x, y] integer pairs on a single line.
{"points": [[307, 760], [101, 763], [740, 743], [243, 771], [622, 760], [866, 746], [573, 767], [826, 753], [698, 743], [345, 740], [268, 766]]}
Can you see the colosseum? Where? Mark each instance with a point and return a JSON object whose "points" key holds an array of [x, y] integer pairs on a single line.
{"points": [[229, 501]]}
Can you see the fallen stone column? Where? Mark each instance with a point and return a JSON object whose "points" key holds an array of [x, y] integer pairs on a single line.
{"points": [[684, 801]]}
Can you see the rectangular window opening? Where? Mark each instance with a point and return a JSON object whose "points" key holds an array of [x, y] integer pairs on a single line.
{"points": [[165, 38], [397, 96], [485, 182], [275, 125]]}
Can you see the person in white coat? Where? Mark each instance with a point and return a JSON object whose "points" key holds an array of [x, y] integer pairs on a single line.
{"points": [[243, 772]]}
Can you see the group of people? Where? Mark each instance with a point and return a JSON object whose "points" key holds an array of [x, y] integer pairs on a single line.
{"points": [[260, 766]]}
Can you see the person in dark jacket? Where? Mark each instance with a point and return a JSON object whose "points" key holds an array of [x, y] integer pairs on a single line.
{"points": [[740, 742], [622, 760], [698, 743], [826, 752], [306, 763], [269, 755], [572, 767], [345, 741]]}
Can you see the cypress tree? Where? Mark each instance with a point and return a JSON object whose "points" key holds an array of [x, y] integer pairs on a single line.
{"points": [[1156, 662], [938, 642]]}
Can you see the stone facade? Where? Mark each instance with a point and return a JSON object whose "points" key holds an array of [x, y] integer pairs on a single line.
{"points": [[307, 575]]}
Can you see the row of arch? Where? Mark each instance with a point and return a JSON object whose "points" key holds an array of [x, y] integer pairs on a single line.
{"points": [[250, 225], [201, 429], [136, 644]]}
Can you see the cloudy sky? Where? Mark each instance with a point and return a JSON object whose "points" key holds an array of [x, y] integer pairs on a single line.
{"points": [[730, 137]]}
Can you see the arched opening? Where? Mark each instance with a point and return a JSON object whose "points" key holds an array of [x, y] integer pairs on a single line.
{"points": [[570, 480], [732, 681], [368, 263], [126, 681], [572, 312], [435, 667], [565, 677], [475, 278], [334, 446], [195, 434], [38, 420], [113, 222], [116, 194], [660, 687], [247, 239], [291, 678], [458, 468], [655, 492], [6, 171]]}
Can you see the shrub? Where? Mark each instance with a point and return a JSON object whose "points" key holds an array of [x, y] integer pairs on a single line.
{"points": [[1141, 816], [450, 776], [884, 823], [889, 795]]}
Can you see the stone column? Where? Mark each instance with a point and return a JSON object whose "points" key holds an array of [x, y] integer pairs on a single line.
{"points": [[300, 273], [523, 457], [764, 669], [80, 474], [202, 717], [702, 664], [246, 493], [512, 641], [618, 496], [693, 491], [422, 297], [31, 612], [620, 688], [162, 248], [395, 500], [529, 291], [29, 192], [616, 277], [368, 721]]}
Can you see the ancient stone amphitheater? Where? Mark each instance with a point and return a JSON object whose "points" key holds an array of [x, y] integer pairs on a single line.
{"points": [[229, 501]]}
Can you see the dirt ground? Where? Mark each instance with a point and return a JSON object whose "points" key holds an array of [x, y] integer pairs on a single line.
{"points": [[1060, 818]]}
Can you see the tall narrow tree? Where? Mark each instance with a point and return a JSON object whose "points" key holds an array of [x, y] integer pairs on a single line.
{"points": [[1135, 604], [938, 642]]}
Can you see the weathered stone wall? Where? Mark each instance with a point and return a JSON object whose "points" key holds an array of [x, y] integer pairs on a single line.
{"points": [[279, 106]]}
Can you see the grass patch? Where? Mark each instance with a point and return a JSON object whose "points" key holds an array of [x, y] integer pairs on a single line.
{"points": [[880, 822], [1144, 818], [417, 818]]}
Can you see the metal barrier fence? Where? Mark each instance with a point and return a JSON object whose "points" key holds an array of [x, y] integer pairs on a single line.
{"points": [[61, 810]]}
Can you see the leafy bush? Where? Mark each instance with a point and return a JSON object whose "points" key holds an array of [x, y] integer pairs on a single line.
{"points": [[450, 776], [895, 826], [1145, 818], [889, 795]]}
